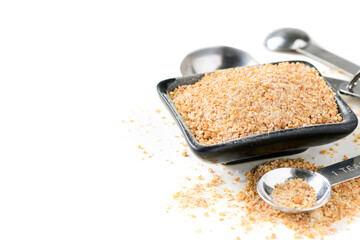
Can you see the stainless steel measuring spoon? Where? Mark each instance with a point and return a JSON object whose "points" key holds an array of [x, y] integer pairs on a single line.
{"points": [[215, 58], [292, 39], [321, 181]]}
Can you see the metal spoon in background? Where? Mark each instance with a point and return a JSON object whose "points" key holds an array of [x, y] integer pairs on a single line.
{"points": [[292, 39], [214, 58], [321, 181]]}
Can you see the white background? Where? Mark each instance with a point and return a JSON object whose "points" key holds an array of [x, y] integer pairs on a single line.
{"points": [[71, 71]]}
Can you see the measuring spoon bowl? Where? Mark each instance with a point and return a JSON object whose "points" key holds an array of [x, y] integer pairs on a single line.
{"points": [[287, 39], [214, 58], [321, 181]]}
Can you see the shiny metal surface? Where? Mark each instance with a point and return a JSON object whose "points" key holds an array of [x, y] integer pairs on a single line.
{"points": [[292, 39], [214, 58], [353, 84], [287, 39], [342, 86], [267, 183], [321, 181]]}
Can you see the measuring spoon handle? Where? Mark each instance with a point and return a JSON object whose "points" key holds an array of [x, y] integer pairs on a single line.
{"points": [[342, 171], [321, 54]]}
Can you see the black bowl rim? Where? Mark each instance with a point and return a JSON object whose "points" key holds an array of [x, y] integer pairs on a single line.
{"points": [[349, 121]]}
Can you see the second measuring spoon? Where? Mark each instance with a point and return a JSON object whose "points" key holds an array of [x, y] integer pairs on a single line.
{"points": [[321, 181], [292, 39]]}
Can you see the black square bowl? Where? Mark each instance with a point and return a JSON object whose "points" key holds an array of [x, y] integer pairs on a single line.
{"points": [[265, 145]]}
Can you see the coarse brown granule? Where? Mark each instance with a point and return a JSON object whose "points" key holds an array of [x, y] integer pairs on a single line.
{"points": [[272, 236], [244, 101], [324, 152], [344, 203], [216, 181], [339, 71], [294, 194], [184, 153]]}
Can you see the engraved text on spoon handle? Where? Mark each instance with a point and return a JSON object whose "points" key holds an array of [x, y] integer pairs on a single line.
{"points": [[342, 171]]}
